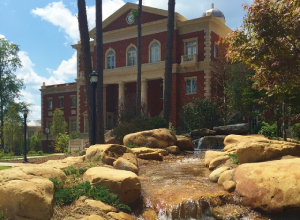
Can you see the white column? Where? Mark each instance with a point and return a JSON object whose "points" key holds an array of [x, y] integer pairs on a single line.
{"points": [[104, 106], [121, 91], [144, 94]]}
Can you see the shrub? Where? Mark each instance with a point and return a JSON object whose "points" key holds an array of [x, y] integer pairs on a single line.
{"points": [[200, 113], [295, 129], [70, 170], [81, 170], [268, 130], [234, 158], [157, 122], [61, 142], [65, 196], [35, 142], [132, 146], [73, 135], [31, 152], [1, 154], [40, 152]]}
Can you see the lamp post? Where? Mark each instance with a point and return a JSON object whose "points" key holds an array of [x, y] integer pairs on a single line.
{"points": [[47, 147], [25, 112], [93, 80]]}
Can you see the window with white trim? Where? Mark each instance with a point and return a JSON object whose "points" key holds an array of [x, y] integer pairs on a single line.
{"points": [[73, 126], [131, 56], [49, 124], [73, 101], [50, 103], [154, 52], [110, 60], [191, 85], [61, 102], [191, 47]]}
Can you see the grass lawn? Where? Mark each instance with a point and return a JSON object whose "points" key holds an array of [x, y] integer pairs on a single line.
{"points": [[4, 167]]}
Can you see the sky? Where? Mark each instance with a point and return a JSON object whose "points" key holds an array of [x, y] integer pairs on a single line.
{"points": [[45, 31]]}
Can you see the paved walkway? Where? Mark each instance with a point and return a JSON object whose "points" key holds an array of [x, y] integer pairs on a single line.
{"points": [[14, 164]]}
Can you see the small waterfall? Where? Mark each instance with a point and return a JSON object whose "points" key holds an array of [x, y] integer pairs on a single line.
{"points": [[199, 144]]}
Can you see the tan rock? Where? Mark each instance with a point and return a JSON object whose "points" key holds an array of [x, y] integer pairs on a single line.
{"points": [[226, 176], [271, 186], [149, 214], [93, 217], [123, 164], [120, 216], [100, 205], [151, 156], [173, 149], [232, 142], [229, 186], [26, 192], [184, 143], [113, 152], [131, 158], [124, 184], [144, 150], [95, 151], [218, 162], [214, 176], [257, 151], [157, 138], [210, 155]]}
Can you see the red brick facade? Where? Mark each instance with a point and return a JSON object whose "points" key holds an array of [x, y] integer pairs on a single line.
{"points": [[121, 80]]}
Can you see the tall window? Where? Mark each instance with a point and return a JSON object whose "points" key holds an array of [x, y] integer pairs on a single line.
{"points": [[131, 56], [215, 51], [110, 60], [73, 101], [191, 86], [154, 52], [61, 102], [49, 124], [50, 103], [191, 47], [73, 126]]}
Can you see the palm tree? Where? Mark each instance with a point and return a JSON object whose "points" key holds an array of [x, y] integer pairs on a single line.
{"points": [[168, 66], [99, 41], [139, 60], [86, 57]]}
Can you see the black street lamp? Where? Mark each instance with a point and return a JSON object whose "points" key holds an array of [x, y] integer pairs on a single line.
{"points": [[93, 80], [47, 147], [25, 112]]}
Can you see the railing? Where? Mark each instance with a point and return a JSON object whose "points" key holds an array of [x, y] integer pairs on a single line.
{"points": [[189, 58]]}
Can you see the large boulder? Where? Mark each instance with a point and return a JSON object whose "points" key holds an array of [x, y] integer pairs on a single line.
{"points": [[232, 129], [271, 186], [123, 164], [27, 193], [144, 150], [210, 155], [173, 150], [184, 143], [233, 142], [96, 151], [113, 152], [215, 175], [198, 133], [211, 142], [263, 150], [124, 184], [157, 138]]}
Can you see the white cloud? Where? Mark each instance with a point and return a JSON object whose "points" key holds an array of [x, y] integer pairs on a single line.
{"points": [[67, 68], [2, 36]]}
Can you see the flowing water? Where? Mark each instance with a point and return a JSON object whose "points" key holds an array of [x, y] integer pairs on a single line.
{"points": [[179, 188]]}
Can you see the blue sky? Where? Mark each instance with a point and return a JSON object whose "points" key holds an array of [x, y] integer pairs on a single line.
{"points": [[45, 31]]}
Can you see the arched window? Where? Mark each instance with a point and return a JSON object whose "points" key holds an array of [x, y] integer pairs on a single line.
{"points": [[131, 56], [154, 52], [110, 60]]}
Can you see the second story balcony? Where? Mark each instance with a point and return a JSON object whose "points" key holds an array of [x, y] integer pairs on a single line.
{"points": [[189, 58]]}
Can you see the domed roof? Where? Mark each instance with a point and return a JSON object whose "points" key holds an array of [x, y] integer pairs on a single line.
{"points": [[214, 11]]}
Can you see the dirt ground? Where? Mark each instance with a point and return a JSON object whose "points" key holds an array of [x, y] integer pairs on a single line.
{"points": [[43, 159]]}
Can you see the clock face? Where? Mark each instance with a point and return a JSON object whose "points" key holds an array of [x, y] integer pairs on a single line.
{"points": [[130, 19]]}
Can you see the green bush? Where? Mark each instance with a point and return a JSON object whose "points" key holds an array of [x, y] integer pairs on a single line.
{"points": [[295, 129], [257, 127], [40, 152], [81, 170], [73, 135], [35, 142], [65, 196], [268, 130], [234, 158], [76, 151], [200, 113], [70, 170], [61, 142], [1, 154], [157, 122], [31, 152]]}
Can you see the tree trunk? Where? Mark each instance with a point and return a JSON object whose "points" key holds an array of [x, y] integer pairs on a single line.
{"points": [[139, 60], [1, 113], [169, 61], [86, 57], [99, 41]]}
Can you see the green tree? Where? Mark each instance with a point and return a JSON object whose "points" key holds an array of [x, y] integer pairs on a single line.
{"points": [[61, 142], [12, 131], [35, 142], [86, 57], [59, 125], [99, 39], [10, 86], [169, 61]]}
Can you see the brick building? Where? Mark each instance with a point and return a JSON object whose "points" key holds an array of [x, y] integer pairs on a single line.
{"points": [[195, 46]]}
